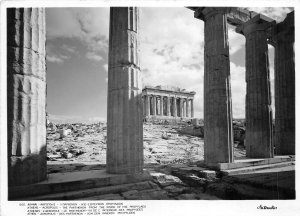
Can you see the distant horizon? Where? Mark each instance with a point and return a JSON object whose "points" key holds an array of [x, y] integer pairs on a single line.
{"points": [[60, 119]]}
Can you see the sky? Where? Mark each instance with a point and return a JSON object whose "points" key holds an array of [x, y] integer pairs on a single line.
{"points": [[171, 52]]}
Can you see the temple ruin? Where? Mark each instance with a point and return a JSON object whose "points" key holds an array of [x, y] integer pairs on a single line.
{"points": [[26, 90], [167, 103]]}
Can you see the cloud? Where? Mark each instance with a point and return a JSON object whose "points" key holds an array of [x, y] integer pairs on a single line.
{"points": [[58, 54], [276, 13], [69, 49], [172, 50], [236, 41], [238, 90], [89, 25], [54, 59], [105, 66], [83, 23], [93, 56], [171, 46]]}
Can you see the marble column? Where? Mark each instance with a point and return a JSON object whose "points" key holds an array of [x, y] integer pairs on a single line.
{"points": [[184, 108], [174, 107], [144, 105], [124, 121], [161, 105], [147, 105], [192, 108], [168, 106], [284, 36], [26, 96], [258, 96], [218, 138], [187, 108], [181, 107], [150, 104], [154, 105]]}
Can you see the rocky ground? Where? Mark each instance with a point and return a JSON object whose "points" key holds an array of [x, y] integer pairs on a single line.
{"points": [[170, 152], [172, 155], [163, 144]]}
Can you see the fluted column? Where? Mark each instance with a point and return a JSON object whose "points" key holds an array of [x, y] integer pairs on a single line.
{"points": [[168, 106], [258, 97], [181, 107], [154, 104], [150, 104], [187, 108], [218, 138], [26, 95], [284, 37], [144, 104], [147, 105], [161, 105], [124, 121], [192, 108], [174, 107], [184, 108]]}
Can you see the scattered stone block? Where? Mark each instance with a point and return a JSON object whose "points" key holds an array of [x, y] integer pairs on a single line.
{"points": [[165, 180], [131, 195], [188, 196], [175, 190]]}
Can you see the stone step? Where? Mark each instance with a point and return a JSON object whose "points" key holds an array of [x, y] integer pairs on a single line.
{"points": [[240, 191], [74, 181], [251, 162], [272, 183], [106, 193], [255, 168]]}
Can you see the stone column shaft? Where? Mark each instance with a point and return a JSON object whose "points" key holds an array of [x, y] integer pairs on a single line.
{"points": [[161, 105], [168, 106], [144, 105], [181, 107], [174, 107], [192, 108], [218, 138], [124, 120], [187, 108], [26, 95], [258, 97], [285, 87], [151, 104], [147, 105], [154, 104], [184, 108]]}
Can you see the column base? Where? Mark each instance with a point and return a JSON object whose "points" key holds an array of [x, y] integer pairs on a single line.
{"points": [[24, 170]]}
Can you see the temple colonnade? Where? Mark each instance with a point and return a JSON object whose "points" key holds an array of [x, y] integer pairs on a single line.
{"points": [[26, 90], [162, 102]]}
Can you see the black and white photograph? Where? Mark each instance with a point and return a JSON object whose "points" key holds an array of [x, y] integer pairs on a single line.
{"points": [[148, 108]]}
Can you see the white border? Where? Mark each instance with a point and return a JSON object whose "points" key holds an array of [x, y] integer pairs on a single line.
{"points": [[174, 208]]}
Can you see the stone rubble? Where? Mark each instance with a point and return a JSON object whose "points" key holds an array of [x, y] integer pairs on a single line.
{"points": [[170, 155], [163, 143]]}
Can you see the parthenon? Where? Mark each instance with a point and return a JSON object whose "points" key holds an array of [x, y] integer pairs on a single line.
{"points": [[26, 87], [167, 103]]}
